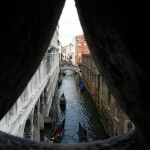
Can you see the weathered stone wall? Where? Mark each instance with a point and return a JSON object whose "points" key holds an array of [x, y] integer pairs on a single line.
{"points": [[113, 126]]}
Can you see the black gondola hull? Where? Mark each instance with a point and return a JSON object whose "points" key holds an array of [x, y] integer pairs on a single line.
{"points": [[57, 135], [82, 134]]}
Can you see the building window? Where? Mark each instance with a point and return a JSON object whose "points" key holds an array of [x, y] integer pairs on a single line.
{"points": [[129, 126], [116, 133], [117, 112], [79, 54]]}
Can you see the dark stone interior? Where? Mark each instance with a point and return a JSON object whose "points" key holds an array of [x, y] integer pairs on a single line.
{"points": [[117, 35]]}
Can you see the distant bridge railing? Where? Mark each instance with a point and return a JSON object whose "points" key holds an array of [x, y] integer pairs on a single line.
{"points": [[69, 67]]}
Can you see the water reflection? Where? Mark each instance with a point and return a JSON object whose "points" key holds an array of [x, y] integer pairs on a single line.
{"points": [[79, 108]]}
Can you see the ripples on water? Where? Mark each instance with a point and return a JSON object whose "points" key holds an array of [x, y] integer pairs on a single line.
{"points": [[79, 108]]}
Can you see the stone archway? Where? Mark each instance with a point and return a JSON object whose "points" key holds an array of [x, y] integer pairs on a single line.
{"points": [[45, 96], [36, 132], [27, 130], [41, 114], [42, 103]]}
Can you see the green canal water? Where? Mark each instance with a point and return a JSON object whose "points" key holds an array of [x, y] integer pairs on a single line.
{"points": [[79, 108]]}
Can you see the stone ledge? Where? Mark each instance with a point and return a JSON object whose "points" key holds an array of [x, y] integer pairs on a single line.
{"points": [[125, 142]]}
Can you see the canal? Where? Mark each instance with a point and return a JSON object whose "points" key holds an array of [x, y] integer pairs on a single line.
{"points": [[79, 108]]}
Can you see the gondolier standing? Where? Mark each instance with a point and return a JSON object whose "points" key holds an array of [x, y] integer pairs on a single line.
{"points": [[63, 101], [46, 140], [84, 129]]}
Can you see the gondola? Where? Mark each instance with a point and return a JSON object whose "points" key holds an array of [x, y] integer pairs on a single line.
{"points": [[56, 137], [62, 101], [59, 82], [64, 73], [82, 134], [81, 85]]}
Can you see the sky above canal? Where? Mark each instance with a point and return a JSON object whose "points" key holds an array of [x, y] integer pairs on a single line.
{"points": [[69, 23]]}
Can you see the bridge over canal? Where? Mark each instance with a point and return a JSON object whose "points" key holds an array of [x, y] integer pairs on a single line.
{"points": [[64, 67]]}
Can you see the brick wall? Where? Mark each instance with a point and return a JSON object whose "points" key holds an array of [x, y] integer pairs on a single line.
{"points": [[112, 117]]}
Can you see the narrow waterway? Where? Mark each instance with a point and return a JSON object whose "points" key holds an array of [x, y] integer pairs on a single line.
{"points": [[79, 108]]}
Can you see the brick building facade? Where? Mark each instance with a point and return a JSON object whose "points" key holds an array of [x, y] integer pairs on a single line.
{"points": [[81, 48], [115, 121]]}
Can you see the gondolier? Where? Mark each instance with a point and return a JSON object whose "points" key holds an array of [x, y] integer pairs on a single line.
{"points": [[62, 101], [46, 140], [56, 137]]}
